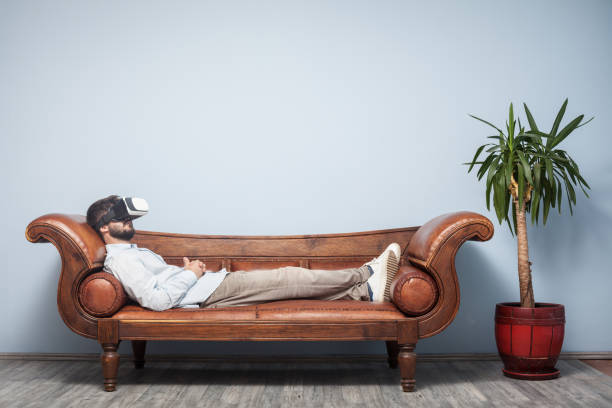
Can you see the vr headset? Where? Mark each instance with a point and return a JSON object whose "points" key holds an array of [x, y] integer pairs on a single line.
{"points": [[128, 208]]}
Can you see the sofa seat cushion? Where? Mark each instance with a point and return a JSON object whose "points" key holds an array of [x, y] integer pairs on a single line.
{"points": [[328, 310], [297, 309]]}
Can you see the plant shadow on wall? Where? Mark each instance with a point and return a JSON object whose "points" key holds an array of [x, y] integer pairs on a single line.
{"points": [[555, 245], [527, 171]]}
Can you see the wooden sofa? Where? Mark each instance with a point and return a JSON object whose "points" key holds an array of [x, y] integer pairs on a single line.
{"points": [[425, 291]]}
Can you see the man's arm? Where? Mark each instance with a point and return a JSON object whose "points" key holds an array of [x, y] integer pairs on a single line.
{"points": [[146, 288]]}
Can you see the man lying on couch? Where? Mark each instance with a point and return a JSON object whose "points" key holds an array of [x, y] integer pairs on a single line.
{"points": [[152, 283]]}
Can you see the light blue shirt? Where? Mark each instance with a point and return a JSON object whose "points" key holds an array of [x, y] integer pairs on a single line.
{"points": [[152, 283]]}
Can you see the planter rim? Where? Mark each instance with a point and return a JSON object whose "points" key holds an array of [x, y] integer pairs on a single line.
{"points": [[538, 305]]}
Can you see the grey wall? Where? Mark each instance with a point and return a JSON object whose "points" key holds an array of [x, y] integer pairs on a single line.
{"points": [[298, 118]]}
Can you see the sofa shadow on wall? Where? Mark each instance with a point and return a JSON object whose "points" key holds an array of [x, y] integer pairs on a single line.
{"points": [[49, 326], [480, 289]]}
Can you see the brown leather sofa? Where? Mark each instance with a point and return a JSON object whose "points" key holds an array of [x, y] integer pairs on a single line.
{"points": [[424, 293]]}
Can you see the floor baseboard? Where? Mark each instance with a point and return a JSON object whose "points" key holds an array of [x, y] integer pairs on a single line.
{"points": [[604, 355]]}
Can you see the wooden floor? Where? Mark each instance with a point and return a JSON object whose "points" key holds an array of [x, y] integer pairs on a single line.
{"points": [[605, 366], [31, 383]]}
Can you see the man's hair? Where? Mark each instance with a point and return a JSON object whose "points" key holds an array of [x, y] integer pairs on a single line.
{"points": [[97, 210]]}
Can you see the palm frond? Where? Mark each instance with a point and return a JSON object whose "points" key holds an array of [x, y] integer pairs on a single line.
{"points": [[529, 158]]}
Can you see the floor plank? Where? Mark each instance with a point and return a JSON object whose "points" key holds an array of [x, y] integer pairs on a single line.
{"points": [[447, 383]]}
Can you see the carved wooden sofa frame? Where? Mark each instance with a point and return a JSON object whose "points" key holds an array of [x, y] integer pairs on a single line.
{"points": [[425, 291]]}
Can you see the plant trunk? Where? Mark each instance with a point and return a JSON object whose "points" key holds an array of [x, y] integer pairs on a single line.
{"points": [[524, 266]]}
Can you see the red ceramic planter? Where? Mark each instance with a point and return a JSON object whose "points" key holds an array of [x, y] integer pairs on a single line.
{"points": [[529, 340]]}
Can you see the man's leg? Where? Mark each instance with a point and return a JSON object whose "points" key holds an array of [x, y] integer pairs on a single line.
{"points": [[243, 288]]}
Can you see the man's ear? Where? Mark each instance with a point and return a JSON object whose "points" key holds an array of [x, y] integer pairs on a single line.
{"points": [[104, 233]]}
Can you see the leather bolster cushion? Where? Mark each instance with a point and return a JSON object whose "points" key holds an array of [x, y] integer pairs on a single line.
{"points": [[413, 291], [101, 294]]}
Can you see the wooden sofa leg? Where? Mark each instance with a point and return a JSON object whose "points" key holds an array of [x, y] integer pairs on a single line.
{"points": [[110, 365], [392, 351], [407, 364], [138, 347]]}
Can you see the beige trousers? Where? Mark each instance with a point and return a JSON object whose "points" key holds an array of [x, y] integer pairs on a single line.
{"points": [[243, 288]]}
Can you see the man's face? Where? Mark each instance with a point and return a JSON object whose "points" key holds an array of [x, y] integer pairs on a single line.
{"points": [[121, 229]]}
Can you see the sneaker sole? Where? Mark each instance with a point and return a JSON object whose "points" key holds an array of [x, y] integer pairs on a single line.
{"points": [[392, 268], [399, 251]]}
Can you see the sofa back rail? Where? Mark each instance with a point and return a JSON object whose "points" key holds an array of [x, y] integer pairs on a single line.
{"points": [[367, 243]]}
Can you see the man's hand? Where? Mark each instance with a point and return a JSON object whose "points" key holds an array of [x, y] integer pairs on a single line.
{"points": [[197, 267]]}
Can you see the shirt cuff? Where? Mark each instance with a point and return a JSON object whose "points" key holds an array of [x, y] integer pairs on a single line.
{"points": [[191, 277]]}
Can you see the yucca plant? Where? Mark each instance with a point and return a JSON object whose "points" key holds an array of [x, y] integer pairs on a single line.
{"points": [[525, 169]]}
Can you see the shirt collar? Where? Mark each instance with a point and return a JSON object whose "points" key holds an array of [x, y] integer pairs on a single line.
{"points": [[116, 247]]}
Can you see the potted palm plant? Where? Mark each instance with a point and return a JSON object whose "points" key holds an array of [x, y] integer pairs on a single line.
{"points": [[527, 172]]}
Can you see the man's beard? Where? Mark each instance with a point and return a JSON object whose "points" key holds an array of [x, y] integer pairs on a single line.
{"points": [[123, 234]]}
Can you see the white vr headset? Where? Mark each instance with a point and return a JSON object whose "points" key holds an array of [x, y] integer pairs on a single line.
{"points": [[127, 208]]}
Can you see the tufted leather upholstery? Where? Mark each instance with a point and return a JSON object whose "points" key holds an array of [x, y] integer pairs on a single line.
{"points": [[101, 294], [413, 291]]}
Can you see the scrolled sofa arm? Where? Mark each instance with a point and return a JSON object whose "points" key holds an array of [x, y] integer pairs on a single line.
{"points": [[74, 228], [413, 291], [101, 294], [433, 235], [432, 249]]}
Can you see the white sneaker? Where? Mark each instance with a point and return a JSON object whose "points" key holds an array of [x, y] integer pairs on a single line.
{"points": [[385, 267]]}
